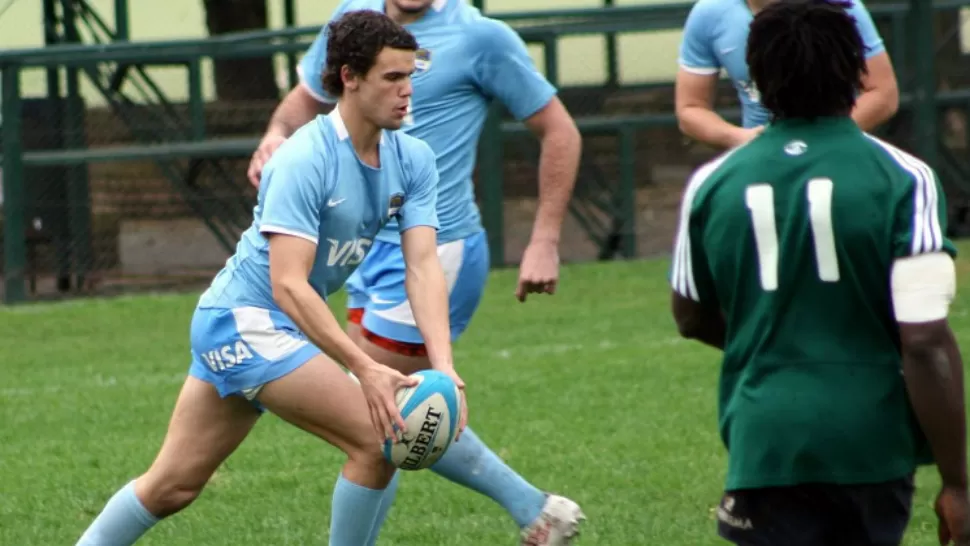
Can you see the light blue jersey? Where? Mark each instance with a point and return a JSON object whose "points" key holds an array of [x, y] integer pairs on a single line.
{"points": [[314, 187], [464, 61], [716, 36]]}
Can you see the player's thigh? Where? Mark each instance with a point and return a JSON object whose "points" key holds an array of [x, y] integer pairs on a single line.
{"points": [[772, 516], [388, 314], [320, 398], [203, 431], [880, 512]]}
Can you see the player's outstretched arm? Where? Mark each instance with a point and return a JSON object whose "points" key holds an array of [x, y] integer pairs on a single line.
{"points": [[297, 109], [303, 103], [291, 259], [879, 99], [428, 293], [560, 150], [699, 322], [923, 287], [504, 70], [696, 118]]}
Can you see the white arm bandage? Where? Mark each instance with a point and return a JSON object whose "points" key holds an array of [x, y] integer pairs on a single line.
{"points": [[923, 287]]}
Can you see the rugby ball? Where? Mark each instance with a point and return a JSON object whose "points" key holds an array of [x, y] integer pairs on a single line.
{"points": [[430, 411]]}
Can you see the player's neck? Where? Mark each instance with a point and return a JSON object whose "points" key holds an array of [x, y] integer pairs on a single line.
{"points": [[402, 17], [756, 5], [364, 135]]}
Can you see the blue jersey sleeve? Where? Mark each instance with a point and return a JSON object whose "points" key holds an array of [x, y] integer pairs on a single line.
{"points": [[294, 194], [421, 201], [697, 43], [867, 29], [504, 69], [314, 61]]}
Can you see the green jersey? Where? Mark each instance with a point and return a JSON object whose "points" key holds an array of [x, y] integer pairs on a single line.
{"points": [[793, 237]]}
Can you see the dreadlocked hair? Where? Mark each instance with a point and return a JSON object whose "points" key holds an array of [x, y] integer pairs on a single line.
{"points": [[806, 58]]}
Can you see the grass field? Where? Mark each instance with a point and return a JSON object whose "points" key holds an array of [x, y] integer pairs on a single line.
{"points": [[589, 393]]}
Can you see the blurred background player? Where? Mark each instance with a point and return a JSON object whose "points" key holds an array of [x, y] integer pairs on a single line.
{"points": [[815, 257], [263, 336], [464, 61], [715, 37]]}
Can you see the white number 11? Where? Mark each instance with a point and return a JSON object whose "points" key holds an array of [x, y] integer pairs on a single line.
{"points": [[760, 199]]}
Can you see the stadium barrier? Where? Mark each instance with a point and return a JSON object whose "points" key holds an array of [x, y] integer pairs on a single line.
{"points": [[52, 222]]}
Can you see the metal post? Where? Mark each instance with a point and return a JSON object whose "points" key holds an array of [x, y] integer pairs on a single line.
{"points": [[51, 38], [14, 201], [121, 21], [196, 101], [628, 193], [924, 86], [612, 69], [289, 19], [78, 194]]}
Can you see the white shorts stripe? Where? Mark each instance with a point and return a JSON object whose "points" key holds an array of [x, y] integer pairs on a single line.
{"points": [[256, 328]]}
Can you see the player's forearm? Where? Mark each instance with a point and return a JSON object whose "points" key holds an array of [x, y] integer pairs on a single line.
{"points": [[428, 293], [558, 166], [875, 107], [934, 380], [295, 111], [708, 127], [312, 315], [699, 322]]}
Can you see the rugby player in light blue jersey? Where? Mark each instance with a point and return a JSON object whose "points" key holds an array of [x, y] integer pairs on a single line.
{"points": [[715, 38], [263, 337], [466, 60]]}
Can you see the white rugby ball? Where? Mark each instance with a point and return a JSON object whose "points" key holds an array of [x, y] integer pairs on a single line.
{"points": [[430, 411]]}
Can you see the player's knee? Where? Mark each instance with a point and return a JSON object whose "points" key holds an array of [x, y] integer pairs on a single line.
{"points": [[368, 465], [164, 494]]}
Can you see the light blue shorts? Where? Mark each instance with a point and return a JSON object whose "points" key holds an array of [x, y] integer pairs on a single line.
{"points": [[239, 350], [377, 287]]}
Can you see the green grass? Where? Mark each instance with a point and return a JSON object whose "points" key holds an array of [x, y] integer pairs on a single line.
{"points": [[589, 393]]}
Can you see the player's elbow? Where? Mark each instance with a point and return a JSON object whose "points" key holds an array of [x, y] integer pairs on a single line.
{"points": [[688, 317], [286, 289], [918, 342]]}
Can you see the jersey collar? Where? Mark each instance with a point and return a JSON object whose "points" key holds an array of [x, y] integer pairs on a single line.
{"points": [[340, 127]]}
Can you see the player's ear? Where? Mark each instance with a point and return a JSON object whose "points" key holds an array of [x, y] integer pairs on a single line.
{"points": [[349, 78]]}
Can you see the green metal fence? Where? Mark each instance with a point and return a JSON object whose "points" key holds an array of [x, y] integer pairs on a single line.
{"points": [[53, 224]]}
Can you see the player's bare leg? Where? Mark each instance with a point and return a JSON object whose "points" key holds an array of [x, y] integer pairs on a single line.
{"points": [[545, 520], [203, 431], [320, 398]]}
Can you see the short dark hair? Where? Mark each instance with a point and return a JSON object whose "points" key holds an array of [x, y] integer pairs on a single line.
{"points": [[806, 58], [355, 40]]}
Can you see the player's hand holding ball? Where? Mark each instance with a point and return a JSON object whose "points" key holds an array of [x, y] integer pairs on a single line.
{"points": [[463, 419], [381, 385], [430, 410], [261, 156]]}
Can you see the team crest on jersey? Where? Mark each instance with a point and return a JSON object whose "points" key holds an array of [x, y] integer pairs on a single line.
{"points": [[422, 60], [395, 204], [751, 90], [796, 147]]}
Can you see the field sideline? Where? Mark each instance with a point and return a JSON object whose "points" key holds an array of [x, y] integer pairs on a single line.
{"points": [[589, 393]]}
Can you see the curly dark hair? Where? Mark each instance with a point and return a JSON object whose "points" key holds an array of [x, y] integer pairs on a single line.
{"points": [[355, 40], [806, 58]]}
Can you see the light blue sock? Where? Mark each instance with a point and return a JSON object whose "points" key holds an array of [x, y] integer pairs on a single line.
{"points": [[122, 522], [353, 513], [470, 463], [387, 499]]}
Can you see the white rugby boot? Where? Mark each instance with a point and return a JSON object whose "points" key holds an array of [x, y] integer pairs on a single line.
{"points": [[557, 525]]}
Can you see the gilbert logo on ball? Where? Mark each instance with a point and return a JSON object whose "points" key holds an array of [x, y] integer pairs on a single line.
{"points": [[430, 411]]}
